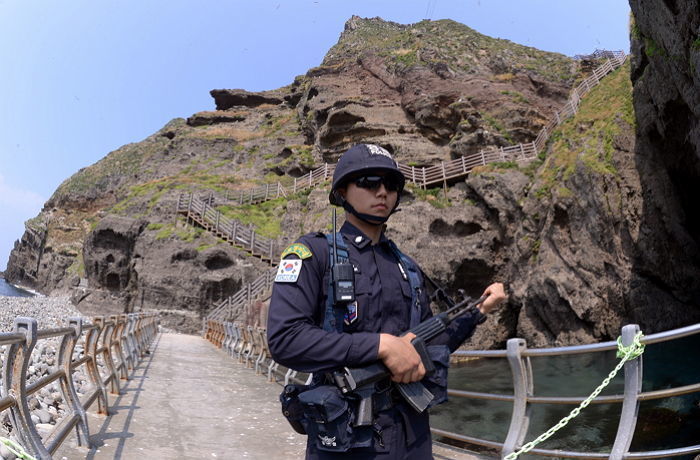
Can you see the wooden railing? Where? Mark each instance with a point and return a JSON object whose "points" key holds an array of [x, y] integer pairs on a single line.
{"points": [[202, 212], [459, 167], [262, 193], [229, 230]]}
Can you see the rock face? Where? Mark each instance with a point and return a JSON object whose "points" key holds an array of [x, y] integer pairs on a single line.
{"points": [[666, 78], [429, 91], [595, 233]]}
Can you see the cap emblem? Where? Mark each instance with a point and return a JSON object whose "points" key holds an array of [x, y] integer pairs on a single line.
{"points": [[377, 150]]}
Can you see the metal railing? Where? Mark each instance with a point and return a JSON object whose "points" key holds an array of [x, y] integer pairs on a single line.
{"points": [[238, 305], [249, 346], [110, 349], [518, 356]]}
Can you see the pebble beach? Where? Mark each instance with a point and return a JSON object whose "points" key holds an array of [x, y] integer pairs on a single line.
{"points": [[47, 405]]}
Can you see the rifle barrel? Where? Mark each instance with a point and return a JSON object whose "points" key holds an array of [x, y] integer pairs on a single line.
{"points": [[449, 313]]}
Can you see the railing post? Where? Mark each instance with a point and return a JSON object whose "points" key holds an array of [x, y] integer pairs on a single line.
{"points": [[240, 198], [522, 389], [218, 217], [252, 242], [630, 403], [91, 342], [65, 356], [295, 185], [233, 231], [15, 367]]}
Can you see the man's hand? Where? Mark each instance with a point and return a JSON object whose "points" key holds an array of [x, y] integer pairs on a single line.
{"points": [[399, 356], [496, 295]]}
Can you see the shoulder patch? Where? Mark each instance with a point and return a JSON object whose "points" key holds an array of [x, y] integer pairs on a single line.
{"points": [[288, 271], [300, 250]]}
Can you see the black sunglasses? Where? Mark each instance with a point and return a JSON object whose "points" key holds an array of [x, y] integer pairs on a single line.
{"points": [[391, 183]]}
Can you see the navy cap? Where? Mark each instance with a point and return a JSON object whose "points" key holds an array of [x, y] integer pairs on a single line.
{"points": [[363, 158]]}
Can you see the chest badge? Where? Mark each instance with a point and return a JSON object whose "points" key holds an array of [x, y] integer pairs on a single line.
{"points": [[288, 271], [352, 314]]}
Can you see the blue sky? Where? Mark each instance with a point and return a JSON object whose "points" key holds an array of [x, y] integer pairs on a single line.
{"points": [[80, 78]]}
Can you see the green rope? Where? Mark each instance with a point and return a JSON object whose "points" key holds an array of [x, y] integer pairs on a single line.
{"points": [[626, 354], [16, 449]]}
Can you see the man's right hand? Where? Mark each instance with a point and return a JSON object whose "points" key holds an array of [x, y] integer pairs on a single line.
{"points": [[399, 356]]}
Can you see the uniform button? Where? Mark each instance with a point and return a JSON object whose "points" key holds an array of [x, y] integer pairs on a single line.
{"points": [[358, 239]]}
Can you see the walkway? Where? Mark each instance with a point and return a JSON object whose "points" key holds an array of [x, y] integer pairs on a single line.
{"points": [[190, 400]]}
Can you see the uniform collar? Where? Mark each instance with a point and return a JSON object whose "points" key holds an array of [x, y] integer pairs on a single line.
{"points": [[357, 238]]}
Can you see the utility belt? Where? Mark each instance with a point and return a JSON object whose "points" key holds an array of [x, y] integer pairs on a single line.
{"points": [[334, 419], [331, 418]]}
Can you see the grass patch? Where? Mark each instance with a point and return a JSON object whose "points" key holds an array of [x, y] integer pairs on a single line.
{"points": [[587, 139], [517, 96], [434, 196], [498, 126], [265, 217]]}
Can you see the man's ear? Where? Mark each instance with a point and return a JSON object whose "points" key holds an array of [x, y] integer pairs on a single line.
{"points": [[341, 191]]}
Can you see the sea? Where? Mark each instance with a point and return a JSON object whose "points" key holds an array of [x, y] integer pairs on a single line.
{"points": [[662, 424], [8, 290]]}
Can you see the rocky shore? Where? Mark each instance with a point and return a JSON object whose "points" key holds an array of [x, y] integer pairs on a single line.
{"points": [[47, 405]]}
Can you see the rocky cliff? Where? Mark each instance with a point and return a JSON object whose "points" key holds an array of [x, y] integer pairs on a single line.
{"points": [[571, 233]]}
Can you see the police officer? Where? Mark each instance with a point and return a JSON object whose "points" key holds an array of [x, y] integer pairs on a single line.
{"points": [[367, 184]]}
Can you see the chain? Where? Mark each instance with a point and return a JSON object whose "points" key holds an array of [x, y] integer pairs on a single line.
{"points": [[16, 449], [635, 349]]}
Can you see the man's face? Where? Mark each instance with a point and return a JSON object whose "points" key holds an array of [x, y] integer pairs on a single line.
{"points": [[370, 196]]}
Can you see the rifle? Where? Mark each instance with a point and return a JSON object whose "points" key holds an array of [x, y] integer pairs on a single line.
{"points": [[359, 380]]}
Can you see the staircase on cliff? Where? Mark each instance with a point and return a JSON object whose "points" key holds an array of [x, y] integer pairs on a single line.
{"points": [[202, 213]]}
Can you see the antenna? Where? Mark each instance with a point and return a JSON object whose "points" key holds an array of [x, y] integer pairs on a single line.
{"points": [[335, 237]]}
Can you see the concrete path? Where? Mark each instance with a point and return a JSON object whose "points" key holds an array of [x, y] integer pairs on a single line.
{"points": [[190, 400]]}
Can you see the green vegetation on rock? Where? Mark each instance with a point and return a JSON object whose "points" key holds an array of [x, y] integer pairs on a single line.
{"points": [[264, 217], [587, 139], [434, 196], [442, 42]]}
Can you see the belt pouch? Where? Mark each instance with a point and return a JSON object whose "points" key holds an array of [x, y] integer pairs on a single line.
{"points": [[328, 417], [292, 409]]}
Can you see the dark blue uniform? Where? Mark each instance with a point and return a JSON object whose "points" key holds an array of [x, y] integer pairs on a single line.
{"points": [[297, 339]]}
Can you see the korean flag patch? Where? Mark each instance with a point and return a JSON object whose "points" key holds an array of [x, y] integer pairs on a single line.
{"points": [[288, 271]]}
